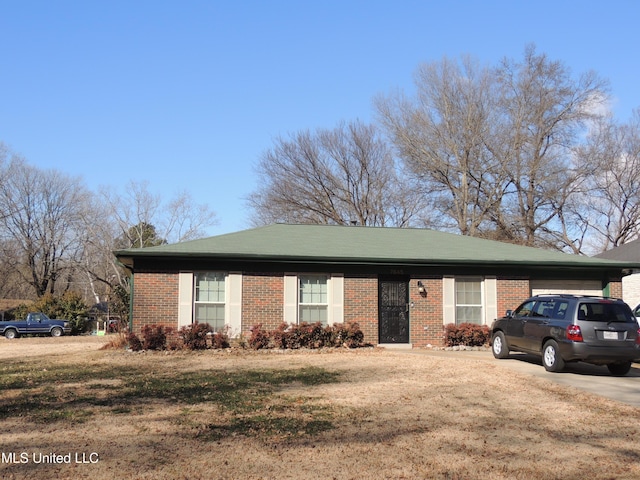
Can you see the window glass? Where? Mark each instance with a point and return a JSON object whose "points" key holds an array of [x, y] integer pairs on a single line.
{"points": [[468, 300], [210, 287], [605, 312], [313, 299], [210, 299], [553, 308], [525, 309]]}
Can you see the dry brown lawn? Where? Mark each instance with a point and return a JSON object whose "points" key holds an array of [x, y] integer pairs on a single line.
{"points": [[357, 414]]}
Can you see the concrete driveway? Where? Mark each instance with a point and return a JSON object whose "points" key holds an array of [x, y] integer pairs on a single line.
{"points": [[590, 378]]}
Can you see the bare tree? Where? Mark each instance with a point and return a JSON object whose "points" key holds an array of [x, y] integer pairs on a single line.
{"points": [[442, 136], [137, 210], [493, 148], [56, 236], [612, 154], [134, 219], [341, 176], [98, 264], [41, 230], [544, 111], [186, 220]]}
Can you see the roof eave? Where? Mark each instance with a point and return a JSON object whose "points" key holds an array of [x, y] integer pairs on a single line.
{"points": [[128, 260]]}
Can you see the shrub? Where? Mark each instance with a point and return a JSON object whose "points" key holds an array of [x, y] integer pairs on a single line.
{"points": [[155, 337], [467, 334], [354, 336], [220, 340], [194, 336], [282, 337], [307, 335], [201, 336], [175, 343], [304, 335], [134, 342], [259, 338], [68, 306], [314, 335]]}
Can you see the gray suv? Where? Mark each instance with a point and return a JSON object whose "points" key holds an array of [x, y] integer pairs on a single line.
{"points": [[570, 328]]}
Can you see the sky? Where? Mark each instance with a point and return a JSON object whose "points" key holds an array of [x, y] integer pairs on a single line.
{"points": [[187, 95]]}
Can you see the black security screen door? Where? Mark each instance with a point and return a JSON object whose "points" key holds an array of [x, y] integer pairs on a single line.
{"points": [[393, 311]]}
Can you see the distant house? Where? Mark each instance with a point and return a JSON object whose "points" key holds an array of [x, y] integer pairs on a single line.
{"points": [[629, 253], [400, 285]]}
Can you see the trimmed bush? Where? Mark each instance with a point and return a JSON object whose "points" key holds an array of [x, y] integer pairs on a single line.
{"points": [[307, 335], [155, 337], [134, 342], [220, 340], [466, 334], [194, 337], [259, 338]]}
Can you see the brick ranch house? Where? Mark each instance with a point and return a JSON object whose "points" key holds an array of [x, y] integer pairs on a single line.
{"points": [[401, 285]]}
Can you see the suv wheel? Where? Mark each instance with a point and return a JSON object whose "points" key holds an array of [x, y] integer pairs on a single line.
{"points": [[619, 369], [551, 358], [499, 346]]}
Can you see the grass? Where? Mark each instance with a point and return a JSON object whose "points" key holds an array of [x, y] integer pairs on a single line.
{"points": [[304, 415], [247, 401]]}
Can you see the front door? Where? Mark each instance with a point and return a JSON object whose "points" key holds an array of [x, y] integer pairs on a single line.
{"points": [[393, 311]]}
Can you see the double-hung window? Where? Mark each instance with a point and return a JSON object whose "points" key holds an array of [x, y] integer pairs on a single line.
{"points": [[210, 295], [313, 299], [468, 295]]}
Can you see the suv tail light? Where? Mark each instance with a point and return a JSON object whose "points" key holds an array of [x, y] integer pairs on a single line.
{"points": [[575, 334], [638, 337]]}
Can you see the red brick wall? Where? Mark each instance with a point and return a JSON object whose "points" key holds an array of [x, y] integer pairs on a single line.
{"points": [[426, 313], [155, 300], [262, 300], [361, 304], [615, 289], [511, 292]]}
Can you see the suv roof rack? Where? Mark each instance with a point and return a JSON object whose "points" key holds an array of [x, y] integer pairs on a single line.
{"points": [[573, 295]]}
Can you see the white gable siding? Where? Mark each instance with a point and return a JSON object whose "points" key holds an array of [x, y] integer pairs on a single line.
{"points": [[575, 287], [631, 289]]}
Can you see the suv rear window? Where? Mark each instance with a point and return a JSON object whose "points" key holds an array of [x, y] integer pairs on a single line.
{"points": [[604, 312]]}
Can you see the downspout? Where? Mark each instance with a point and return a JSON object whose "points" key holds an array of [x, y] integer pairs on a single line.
{"points": [[131, 303]]}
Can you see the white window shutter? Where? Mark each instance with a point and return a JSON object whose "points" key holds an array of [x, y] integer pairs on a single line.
{"points": [[185, 299], [490, 300], [234, 304], [336, 299], [448, 300], [290, 298]]}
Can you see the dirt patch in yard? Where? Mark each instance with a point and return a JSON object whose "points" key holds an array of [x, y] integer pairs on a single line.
{"points": [[355, 414]]}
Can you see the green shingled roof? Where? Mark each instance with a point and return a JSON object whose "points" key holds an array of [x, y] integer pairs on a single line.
{"points": [[366, 245]]}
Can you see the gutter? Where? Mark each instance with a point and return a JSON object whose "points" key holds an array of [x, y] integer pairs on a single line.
{"points": [[627, 267]]}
